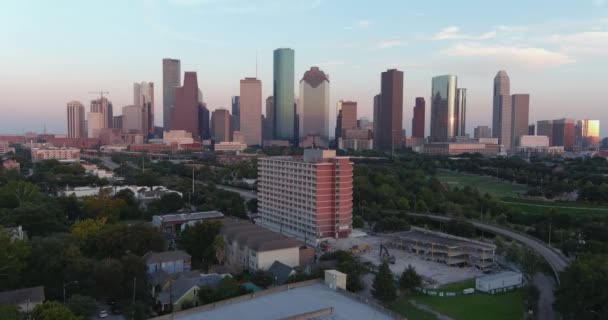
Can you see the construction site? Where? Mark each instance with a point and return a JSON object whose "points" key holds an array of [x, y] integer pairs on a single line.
{"points": [[438, 257]]}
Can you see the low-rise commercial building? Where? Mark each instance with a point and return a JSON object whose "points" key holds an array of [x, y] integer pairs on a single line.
{"points": [[175, 223], [499, 282], [226, 146], [61, 154], [458, 148]]}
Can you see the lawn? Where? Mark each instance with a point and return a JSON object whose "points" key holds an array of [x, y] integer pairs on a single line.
{"points": [[547, 207], [408, 310], [493, 186]]}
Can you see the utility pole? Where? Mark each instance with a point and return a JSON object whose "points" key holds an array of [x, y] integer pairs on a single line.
{"points": [[549, 233], [133, 303]]}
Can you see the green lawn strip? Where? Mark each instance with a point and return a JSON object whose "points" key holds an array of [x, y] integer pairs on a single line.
{"points": [[505, 306], [545, 207], [408, 310], [484, 184]]}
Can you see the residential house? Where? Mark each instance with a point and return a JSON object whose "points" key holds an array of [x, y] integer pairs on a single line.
{"points": [[175, 223], [184, 289], [280, 273], [171, 262]]}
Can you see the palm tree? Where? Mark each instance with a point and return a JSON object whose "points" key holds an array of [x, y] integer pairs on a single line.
{"points": [[219, 245]]}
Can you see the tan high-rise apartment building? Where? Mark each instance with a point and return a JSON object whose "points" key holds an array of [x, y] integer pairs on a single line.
{"points": [[220, 125], [76, 117], [250, 111]]}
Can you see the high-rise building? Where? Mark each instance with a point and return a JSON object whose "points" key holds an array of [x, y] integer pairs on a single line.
{"points": [[390, 126], [283, 93], [482, 132], [532, 130], [184, 115], [501, 113], [203, 121], [95, 121], [418, 119], [250, 109], [133, 119], [520, 105], [545, 128], [220, 125], [563, 133], [117, 122], [236, 113], [377, 118], [143, 95], [103, 106], [349, 114], [444, 108], [587, 134], [76, 117], [171, 80], [269, 119], [460, 121], [307, 211], [314, 104]]}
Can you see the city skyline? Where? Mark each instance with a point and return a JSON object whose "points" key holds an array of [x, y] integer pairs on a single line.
{"points": [[571, 52]]}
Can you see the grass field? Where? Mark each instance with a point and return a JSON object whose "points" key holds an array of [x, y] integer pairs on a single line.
{"points": [[547, 207], [408, 310], [493, 186]]}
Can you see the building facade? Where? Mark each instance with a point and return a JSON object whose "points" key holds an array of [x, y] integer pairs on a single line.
{"points": [[418, 119], [172, 78], [314, 104], [309, 198], [444, 121], [545, 128], [283, 93], [269, 119], [61, 154], [236, 112], [501, 111], [220, 123], [133, 118], [587, 134], [389, 135], [563, 133], [461, 113], [482, 132], [76, 118], [250, 109], [520, 104], [103, 106], [184, 115], [94, 124], [143, 95]]}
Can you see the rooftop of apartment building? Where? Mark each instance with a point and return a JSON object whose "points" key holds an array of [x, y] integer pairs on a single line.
{"points": [[438, 238], [176, 217], [255, 237]]}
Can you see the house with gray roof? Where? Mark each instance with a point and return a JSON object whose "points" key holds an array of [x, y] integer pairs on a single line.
{"points": [[280, 273], [184, 289], [168, 261]]}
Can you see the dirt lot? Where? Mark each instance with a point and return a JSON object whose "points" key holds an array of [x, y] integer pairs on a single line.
{"points": [[436, 273]]}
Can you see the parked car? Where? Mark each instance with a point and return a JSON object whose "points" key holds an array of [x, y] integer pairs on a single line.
{"points": [[102, 314]]}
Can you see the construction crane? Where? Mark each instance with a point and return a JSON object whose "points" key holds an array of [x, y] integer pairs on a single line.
{"points": [[101, 93]]}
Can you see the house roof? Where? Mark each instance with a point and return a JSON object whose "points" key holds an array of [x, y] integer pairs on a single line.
{"points": [[174, 217], [280, 272], [153, 257], [185, 282], [255, 237], [19, 296]]}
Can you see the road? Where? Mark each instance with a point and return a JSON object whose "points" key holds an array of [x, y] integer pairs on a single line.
{"points": [[548, 206], [546, 287], [244, 193]]}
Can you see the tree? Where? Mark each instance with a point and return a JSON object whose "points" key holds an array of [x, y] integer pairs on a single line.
{"points": [[583, 291], [88, 228], [358, 222], [198, 239], [53, 310], [82, 305], [103, 206], [114, 240], [13, 257], [109, 278], [18, 193], [383, 288], [220, 246], [10, 312], [530, 261], [37, 220], [409, 279]]}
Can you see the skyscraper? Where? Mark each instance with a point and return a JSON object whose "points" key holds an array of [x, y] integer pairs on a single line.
{"points": [[143, 95], [563, 133], [444, 108], [501, 113], [482, 132], [460, 126], [418, 119], [75, 117], [203, 121], [283, 92], [250, 111], [390, 128], [103, 106], [545, 128], [349, 114], [94, 124], [587, 134], [236, 113], [220, 123], [171, 80], [377, 118], [520, 105], [184, 115], [133, 119], [269, 119], [314, 103], [532, 130]]}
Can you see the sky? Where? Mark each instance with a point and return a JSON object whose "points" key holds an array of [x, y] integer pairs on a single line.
{"points": [[52, 52]]}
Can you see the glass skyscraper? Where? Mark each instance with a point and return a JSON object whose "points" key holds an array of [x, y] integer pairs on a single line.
{"points": [[443, 108], [283, 91]]}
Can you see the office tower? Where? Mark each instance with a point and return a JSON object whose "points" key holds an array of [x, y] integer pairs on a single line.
{"points": [[563, 133], [283, 93], [587, 134], [501, 113], [76, 117], [200, 96], [482, 132], [171, 80], [95, 121], [133, 119], [532, 130], [314, 103], [377, 120], [460, 121], [346, 117], [327, 214], [390, 126], [545, 128], [143, 95], [269, 119], [418, 119], [296, 121], [220, 123], [520, 108], [203, 121], [236, 107], [184, 115], [117, 122], [444, 108], [103, 106], [250, 110]]}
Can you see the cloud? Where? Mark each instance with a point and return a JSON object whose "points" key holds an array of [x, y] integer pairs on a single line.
{"points": [[581, 43], [390, 43], [511, 55], [453, 33]]}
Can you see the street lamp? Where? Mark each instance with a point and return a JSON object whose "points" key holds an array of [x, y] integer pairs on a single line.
{"points": [[66, 285]]}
